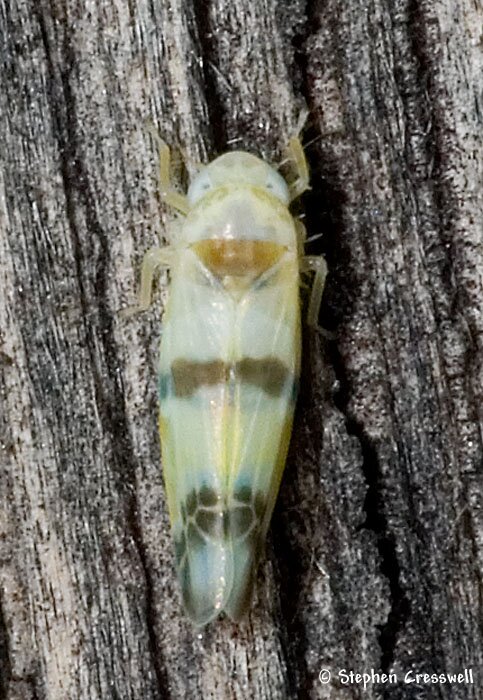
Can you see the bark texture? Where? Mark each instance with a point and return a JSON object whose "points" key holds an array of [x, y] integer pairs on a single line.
{"points": [[375, 558]]}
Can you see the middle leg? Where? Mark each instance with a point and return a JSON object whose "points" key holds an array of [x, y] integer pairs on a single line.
{"points": [[317, 264], [154, 259]]}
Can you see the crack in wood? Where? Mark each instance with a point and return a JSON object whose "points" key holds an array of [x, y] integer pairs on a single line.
{"points": [[162, 675], [5, 664], [376, 521], [205, 38]]}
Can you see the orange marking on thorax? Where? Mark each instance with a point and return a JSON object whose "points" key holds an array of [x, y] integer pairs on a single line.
{"points": [[235, 258]]}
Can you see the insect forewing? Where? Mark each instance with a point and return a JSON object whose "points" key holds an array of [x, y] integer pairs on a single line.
{"points": [[228, 374], [266, 357], [194, 400]]}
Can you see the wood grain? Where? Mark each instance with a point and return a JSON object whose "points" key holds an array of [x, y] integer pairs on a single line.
{"points": [[375, 556]]}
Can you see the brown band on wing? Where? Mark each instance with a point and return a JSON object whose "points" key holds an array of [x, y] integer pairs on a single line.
{"points": [[268, 373], [189, 376], [238, 258]]}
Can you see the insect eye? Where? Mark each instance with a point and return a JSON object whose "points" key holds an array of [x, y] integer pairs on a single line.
{"points": [[198, 188], [277, 185]]}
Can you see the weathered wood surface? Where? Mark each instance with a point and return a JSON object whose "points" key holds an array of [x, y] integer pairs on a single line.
{"points": [[376, 552]]}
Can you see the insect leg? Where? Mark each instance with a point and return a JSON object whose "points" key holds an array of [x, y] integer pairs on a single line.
{"points": [[301, 237], [296, 155], [168, 193], [315, 263], [153, 259]]}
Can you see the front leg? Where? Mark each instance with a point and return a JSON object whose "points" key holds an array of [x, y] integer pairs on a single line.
{"points": [[166, 190], [295, 155]]}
